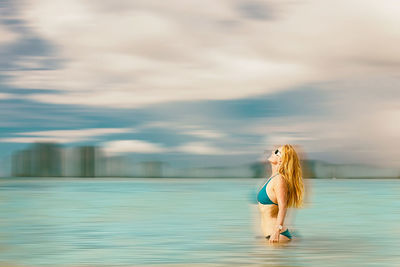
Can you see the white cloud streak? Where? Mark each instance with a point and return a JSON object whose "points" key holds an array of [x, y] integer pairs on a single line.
{"points": [[7, 36], [6, 96], [213, 134], [206, 148], [194, 148], [188, 53], [132, 146], [65, 136]]}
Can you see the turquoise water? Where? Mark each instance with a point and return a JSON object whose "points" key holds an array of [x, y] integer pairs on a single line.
{"points": [[131, 222]]}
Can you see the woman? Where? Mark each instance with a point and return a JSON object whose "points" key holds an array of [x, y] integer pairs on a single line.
{"points": [[284, 189]]}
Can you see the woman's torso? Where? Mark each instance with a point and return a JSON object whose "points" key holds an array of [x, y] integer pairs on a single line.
{"points": [[268, 207], [263, 196]]}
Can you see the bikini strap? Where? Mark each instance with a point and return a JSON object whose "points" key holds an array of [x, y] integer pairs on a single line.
{"points": [[274, 176], [269, 179]]}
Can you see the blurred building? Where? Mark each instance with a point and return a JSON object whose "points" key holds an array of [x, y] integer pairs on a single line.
{"points": [[84, 161], [151, 168], [40, 160], [87, 161], [52, 160], [117, 166], [321, 169]]}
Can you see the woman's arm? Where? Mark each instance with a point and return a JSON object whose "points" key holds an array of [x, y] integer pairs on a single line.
{"points": [[281, 195]]}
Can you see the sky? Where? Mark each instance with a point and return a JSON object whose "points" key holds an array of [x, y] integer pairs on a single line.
{"points": [[203, 83]]}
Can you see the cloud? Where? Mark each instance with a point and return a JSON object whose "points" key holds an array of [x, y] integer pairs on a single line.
{"points": [[185, 54], [355, 126], [168, 125], [140, 146], [26, 62], [131, 54], [41, 139], [64, 136], [257, 10], [205, 133], [7, 96], [200, 148], [7, 36], [132, 146], [183, 128], [79, 132], [205, 148]]}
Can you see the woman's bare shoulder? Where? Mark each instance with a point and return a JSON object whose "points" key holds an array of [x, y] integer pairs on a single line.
{"points": [[280, 181], [279, 178]]}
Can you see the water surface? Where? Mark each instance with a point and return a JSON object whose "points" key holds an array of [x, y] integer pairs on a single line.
{"points": [[132, 222]]}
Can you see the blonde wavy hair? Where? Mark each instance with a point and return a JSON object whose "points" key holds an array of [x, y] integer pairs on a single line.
{"points": [[291, 171]]}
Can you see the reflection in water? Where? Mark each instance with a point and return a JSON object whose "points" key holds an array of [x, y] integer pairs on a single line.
{"points": [[106, 222]]}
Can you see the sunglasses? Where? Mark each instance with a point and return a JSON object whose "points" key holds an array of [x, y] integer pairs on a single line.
{"points": [[276, 152]]}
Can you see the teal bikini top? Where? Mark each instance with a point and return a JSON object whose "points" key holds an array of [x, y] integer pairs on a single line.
{"points": [[262, 196]]}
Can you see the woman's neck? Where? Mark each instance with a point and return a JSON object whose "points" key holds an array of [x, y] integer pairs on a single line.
{"points": [[274, 169]]}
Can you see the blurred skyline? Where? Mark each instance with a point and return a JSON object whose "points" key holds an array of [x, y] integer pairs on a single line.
{"points": [[203, 83], [54, 160]]}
